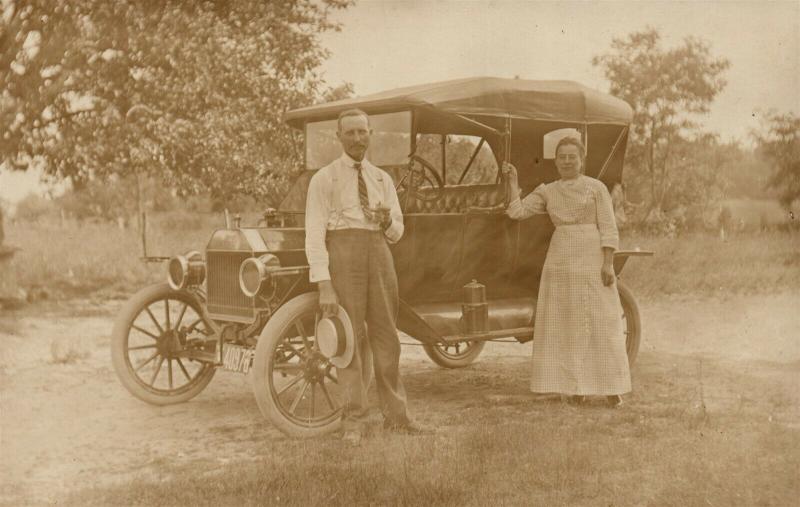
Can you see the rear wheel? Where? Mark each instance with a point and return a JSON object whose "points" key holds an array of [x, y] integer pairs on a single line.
{"points": [[295, 386], [631, 321], [151, 335], [455, 354]]}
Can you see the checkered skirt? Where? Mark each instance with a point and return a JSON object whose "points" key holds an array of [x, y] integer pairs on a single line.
{"points": [[579, 344]]}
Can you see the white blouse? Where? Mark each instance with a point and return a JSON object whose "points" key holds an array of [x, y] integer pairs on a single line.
{"points": [[583, 200]]}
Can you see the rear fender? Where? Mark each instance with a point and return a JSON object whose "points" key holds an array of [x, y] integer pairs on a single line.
{"points": [[622, 256]]}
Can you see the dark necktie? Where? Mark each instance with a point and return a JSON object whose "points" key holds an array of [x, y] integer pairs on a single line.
{"points": [[363, 197]]}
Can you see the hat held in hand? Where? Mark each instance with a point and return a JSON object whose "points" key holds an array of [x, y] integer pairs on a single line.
{"points": [[336, 339]]}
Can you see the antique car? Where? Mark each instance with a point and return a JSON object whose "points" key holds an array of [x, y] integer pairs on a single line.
{"points": [[467, 273]]}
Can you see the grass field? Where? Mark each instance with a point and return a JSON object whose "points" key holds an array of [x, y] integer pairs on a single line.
{"points": [[576, 463], [71, 259], [102, 260], [693, 433], [759, 213], [704, 265]]}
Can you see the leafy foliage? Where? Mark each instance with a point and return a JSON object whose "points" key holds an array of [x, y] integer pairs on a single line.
{"points": [[744, 174], [192, 92], [779, 143], [665, 87], [458, 150]]}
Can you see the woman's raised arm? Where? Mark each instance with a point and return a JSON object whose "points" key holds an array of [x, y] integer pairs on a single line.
{"points": [[533, 203]]}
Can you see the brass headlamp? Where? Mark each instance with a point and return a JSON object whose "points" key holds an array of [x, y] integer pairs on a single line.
{"points": [[254, 274], [186, 270]]}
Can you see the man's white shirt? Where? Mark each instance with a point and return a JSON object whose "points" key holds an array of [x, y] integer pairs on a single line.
{"points": [[332, 203]]}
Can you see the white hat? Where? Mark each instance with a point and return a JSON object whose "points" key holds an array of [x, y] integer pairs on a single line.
{"points": [[336, 339]]}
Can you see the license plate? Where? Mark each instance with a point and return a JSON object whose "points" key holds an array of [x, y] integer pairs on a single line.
{"points": [[237, 358]]}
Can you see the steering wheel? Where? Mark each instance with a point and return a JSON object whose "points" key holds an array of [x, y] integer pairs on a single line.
{"points": [[419, 176]]}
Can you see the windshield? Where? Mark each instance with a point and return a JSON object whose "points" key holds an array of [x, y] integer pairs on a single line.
{"points": [[389, 145]]}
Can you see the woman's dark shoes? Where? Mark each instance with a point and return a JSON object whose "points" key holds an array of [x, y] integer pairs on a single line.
{"points": [[546, 397], [576, 400], [614, 401]]}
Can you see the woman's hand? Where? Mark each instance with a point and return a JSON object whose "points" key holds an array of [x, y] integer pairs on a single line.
{"points": [[510, 173], [607, 273]]}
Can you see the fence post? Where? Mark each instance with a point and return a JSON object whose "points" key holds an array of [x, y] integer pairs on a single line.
{"points": [[143, 228]]}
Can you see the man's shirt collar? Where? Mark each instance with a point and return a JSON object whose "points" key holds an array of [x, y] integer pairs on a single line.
{"points": [[349, 162]]}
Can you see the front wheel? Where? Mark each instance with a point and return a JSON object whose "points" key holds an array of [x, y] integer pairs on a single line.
{"points": [[295, 386], [631, 322], [151, 337], [454, 354]]}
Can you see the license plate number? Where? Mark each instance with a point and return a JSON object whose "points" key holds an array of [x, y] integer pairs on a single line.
{"points": [[237, 358]]}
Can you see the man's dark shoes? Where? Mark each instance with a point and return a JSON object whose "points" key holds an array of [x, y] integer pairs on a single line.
{"points": [[406, 427]]}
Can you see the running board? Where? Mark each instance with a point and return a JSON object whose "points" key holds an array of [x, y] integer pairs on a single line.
{"points": [[525, 332]]}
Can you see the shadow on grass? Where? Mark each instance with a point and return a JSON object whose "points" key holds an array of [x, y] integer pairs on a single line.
{"points": [[317, 473], [696, 431]]}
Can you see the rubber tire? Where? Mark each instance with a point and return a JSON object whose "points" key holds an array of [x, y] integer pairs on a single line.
{"points": [[447, 362], [267, 341], [634, 321], [119, 335]]}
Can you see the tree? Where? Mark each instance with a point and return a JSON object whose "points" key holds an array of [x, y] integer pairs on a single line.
{"points": [[697, 165], [744, 174], [665, 87], [778, 142], [192, 92]]}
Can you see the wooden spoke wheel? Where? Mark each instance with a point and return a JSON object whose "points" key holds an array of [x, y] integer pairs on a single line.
{"points": [[455, 354], [295, 386], [151, 337], [631, 322]]}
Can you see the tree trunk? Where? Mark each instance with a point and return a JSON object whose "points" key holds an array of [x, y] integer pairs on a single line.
{"points": [[651, 163]]}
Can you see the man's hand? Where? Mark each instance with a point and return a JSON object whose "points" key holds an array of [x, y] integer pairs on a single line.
{"points": [[607, 274], [328, 301], [380, 215]]}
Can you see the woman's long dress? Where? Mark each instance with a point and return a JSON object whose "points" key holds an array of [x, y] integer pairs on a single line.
{"points": [[578, 339]]}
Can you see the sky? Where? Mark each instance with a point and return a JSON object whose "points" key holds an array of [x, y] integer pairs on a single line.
{"points": [[392, 43], [385, 44]]}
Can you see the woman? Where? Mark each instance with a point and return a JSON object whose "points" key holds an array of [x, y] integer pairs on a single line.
{"points": [[578, 340]]}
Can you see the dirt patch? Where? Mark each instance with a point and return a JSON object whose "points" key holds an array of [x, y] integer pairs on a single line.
{"points": [[69, 424]]}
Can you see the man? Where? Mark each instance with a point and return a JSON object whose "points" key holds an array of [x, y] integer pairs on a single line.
{"points": [[352, 211]]}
